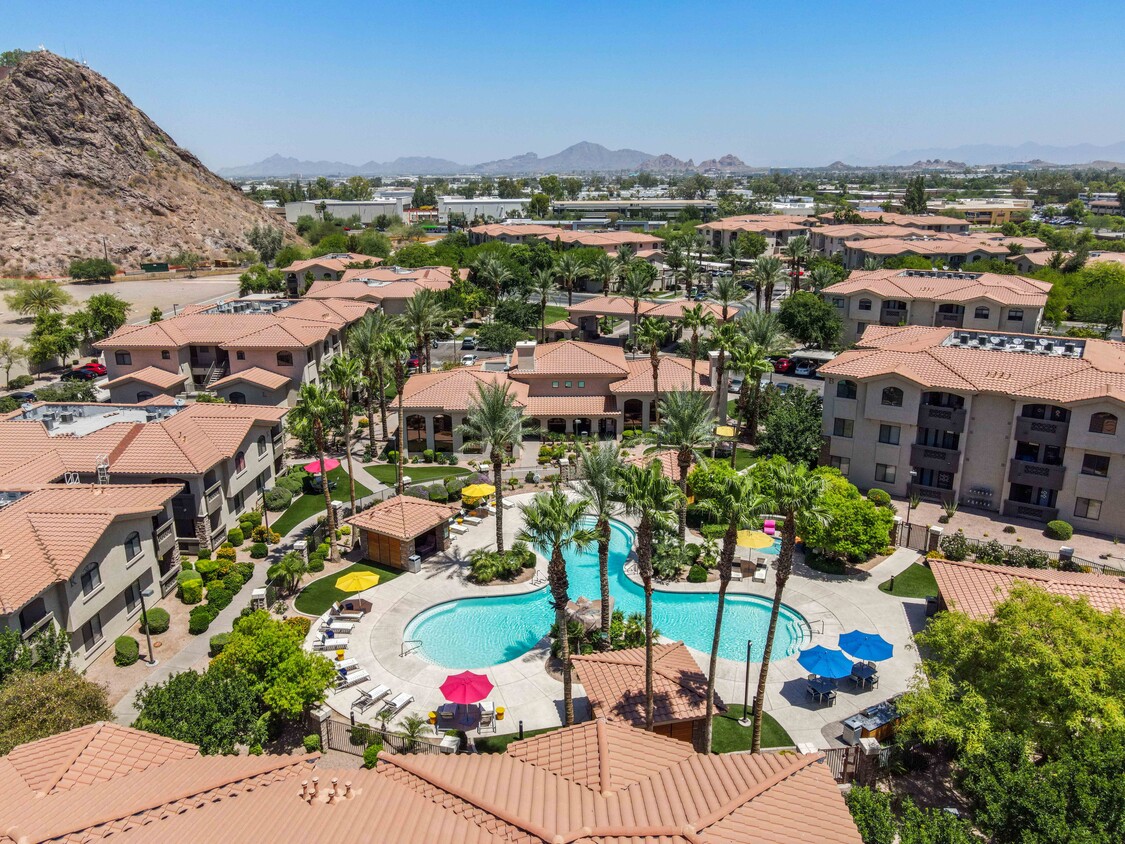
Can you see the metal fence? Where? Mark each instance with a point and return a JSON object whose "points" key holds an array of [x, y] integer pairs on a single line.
{"points": [[1015, 551], [851, 765], [355, 739]]}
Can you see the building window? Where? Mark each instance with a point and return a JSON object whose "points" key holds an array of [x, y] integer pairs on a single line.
{"points": [[567, 384], [92, 632], [91, 578], [144, 395], [165, 355], [240, 355], [892, 397], [132, 597], [284, 358], [843, 428], [262, 445], [581, 384], [1015, 314], [240, 462], [1103, 423], [1095, 464], [123, 358], [889, 434], [846, 390], [844, 464], [981, 312], [1088, 508], [885, 473], [132, 545], [555, 384], [865, 304], [838, 301]]}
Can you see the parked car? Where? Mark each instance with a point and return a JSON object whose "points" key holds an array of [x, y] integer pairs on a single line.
{"points": [[414, 362], [313, 486], [97, 367], [782, 365], [469, 343], [783, 387], [804, 369], [22, 396], [79, 375], [700, 295], [468, 360], [736, 383]]}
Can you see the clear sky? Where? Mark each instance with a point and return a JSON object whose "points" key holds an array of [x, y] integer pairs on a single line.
{"points": [[775, 83]]}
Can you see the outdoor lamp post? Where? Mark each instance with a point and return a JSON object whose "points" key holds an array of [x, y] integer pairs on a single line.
{"points": [[746, 720], [147, 593], [910, 494]]}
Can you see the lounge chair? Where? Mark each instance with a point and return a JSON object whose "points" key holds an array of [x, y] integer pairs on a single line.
{"points": [[472, 520], [487, 716], [736, 572], [509, 505], [345, 664], [347, 679], [369, 697], [446, 712], [458, 530], [345, 615], [337, 626], [396, 704], [761, 569], [330, 643]]}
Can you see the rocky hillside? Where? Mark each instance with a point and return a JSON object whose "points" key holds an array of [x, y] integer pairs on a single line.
{"points": [[79, 162]]}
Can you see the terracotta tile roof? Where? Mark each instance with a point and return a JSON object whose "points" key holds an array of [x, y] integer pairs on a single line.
{"points": [[622, 306], [454, 389], [338, 311], [500, 229], [362, 291], [934, 244], [604, 239], [403, 517], [562, 325], [335, 264], [574, 357], [912, 220], [774, 223], [855, 231], [254, 375], [667, 458], [161, 378], [615, 684], [976, 589], [675, 309], [899, 284], [673, 374]]}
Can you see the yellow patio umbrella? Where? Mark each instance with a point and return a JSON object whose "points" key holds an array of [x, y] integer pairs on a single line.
{"points": [[754, 539], [475, 492], [724, 431], [357, 581]]}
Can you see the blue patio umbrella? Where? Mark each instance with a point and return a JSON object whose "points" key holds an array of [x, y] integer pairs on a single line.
{"points": [[825, 662], [867, 646]]}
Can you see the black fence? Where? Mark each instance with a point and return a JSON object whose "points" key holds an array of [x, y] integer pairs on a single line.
{"points": [[356, 739]]}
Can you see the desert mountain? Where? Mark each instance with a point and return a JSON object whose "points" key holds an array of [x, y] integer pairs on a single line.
{"points": [[727, 164], [1004, 154], [666, 163], [79, 162], [283, 167], [583, 157]]}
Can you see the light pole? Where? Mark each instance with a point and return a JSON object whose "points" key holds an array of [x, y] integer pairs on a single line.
{"points": [[147, 593], [745, 720], [910, 495]]}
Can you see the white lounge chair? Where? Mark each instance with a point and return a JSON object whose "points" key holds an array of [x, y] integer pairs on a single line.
{"points": [[760, 572], [458, 530], [345, 615], [369, 697], [487, 716], [509, 504], [338, 626], [330, 643], [345, 664], [736, 572], [396, 704], [347, 679], [472, 520]]}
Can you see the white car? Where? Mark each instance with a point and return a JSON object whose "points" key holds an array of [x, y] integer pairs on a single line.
{"points": [[468, 360], [804, 369], [736, 383]]}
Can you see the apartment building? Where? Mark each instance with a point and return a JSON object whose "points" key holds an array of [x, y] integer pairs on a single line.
{"points": [[330, 267], [510, 233], [247, 351], [642, 209], [1016, 424], [926, 222], [989, 211], [980, 301], [388, 288], [219, 457], [829, 240], [950, 250], [76, 557], [777, 229]]}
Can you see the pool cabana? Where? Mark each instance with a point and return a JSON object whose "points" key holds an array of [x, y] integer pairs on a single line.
{"points": [[402, 531]]}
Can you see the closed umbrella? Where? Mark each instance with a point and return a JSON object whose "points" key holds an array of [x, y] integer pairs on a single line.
{"points": [[825, 662], [329, 464], [867, 646]]}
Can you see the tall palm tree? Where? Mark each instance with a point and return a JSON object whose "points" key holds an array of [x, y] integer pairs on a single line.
{"points": [[725, 339], [396, 348], [821, 276], [768, 272], [570, 269], [494, 424], [363, 342], [674, 258], [694, 320], [423, 318], [625, 257], [727, 292], [736, 504], [652, 333], [688, 425], [796, 493], [750, 359], [553, 521], [600, 464], [543, 285], [797, 251], [492, 274], [688, 272], [648, 496], [316, 407], [734, 253], [344, 374], [765, 330], [635, 284], [604, 269]]}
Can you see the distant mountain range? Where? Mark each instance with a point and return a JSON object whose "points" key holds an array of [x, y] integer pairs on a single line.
{"points": [[1003, 154]]}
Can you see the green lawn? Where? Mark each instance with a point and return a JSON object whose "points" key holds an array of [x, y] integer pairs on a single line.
{"points": [[554, 313], [319, 595], [917, 581], [728, 734], [498, 744], [387, 473], [310, 505]]}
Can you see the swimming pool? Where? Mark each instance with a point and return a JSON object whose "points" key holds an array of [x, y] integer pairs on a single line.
{"points": [[480, 632]]}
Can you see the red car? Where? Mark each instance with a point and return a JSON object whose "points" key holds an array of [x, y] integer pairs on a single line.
{"points": [[782, 365], [94, 366]]}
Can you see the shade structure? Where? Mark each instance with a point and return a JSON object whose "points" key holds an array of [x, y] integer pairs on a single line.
{"points": [[724, 431], [825, 662], [868, 646], [329, 464], [477, 490], [466, 687], [357, 581], [754, 539]]}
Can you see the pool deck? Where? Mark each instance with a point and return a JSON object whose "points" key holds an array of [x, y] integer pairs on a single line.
{"points": [[530, 695]]}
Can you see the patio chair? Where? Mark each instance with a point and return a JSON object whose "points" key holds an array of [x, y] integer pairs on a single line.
{"points": [[369, 697], [487, 716], [761, 569], [396, 704], [347, 679], [446, 712], [344, 615], [458, 530], [330, 643], [736, 572], [337, 626]]}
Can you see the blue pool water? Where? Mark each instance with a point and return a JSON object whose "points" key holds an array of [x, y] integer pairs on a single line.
{"points": [[479, 632]]}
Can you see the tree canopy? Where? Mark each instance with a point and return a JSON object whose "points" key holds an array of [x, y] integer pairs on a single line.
{"points": [[856, 529], [37, 704], [792, 426], [811, 319]]}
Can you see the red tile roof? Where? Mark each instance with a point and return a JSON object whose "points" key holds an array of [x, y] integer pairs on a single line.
{"points": [[572, 357], [254, 375], [454, 389], [902, 284], [403, 517], [161, 378]]}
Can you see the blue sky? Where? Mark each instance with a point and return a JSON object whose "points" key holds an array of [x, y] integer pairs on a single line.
{"points": [[774, 83]]}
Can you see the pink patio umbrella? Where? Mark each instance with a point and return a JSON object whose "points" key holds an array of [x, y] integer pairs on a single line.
{"points": [[329, 464], [466, 687]]}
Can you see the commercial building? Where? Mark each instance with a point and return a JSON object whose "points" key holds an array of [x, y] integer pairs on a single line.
{"points": [[981, 301], [1017, 424], [991, 211], [479, 208], [642, 209], [368, 210]]}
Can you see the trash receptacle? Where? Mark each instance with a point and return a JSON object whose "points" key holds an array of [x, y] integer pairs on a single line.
{"points": [[931, 605]]}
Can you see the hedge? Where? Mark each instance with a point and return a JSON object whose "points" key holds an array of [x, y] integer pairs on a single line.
{"points": [[1058, 529], [155, 620], [235, 536], [259, 551], [126, 651], [191, 587], [371, 755], [316, 565], [200, 618], [878, 497], [311, 743], [697, 574], [208, 569], [204, 554], [218, 642], [278, 498], [226, 552]]}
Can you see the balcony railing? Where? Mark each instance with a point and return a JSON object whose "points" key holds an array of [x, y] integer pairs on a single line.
{"points": [[892, 316], [214, 496], [942, 418], [949, 320], [168, 581], [932, 493], [1036, 474], [1042, 431], [1030, 511], [46, 621], [165, 536], [932, 457]]}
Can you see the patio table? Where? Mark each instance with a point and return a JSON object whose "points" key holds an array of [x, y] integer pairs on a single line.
{"points": [[821, 687], [863, 673]]}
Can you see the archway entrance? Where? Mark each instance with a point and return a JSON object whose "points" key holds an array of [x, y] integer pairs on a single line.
{"points": [[416, 433], [634, 410], [443, 432]]}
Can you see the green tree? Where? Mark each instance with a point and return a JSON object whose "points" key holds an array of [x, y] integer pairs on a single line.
{"points": [[539, 206], [553, 521], [855, 529], [288, 571], [51, 338], [499, 337], [809, 318], [344, 374], [103, 314], [32, 298], [216, 710], [258, 278], [688, 426], [265, 240], [569, 270], [155, 315], [188, 259], [11, 353], [792, 427], [914, 201], [35, 705], [373, 243], [316, 407], [768, 272], [635, 284], [363, 342], [10, 58], [750, 359], [47, 650], [725, 340], [394, 349], [694, 320], [543, 285], [424, 318], [494, 424], [751, 245], [91, 269], [652, 333], [598, 484], [288, 254], [798, 252]]}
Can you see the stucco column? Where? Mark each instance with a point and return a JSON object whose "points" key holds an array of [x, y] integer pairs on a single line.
{"points": [[429, 430], [457, 421], [645, 409]]}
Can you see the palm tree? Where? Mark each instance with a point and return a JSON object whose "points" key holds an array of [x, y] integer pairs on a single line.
{"points": [[821, 276], [552, 520], [492, 274], [734, 254], [569, 269], [625, 257], [494, 424], [689, 426], [600, 464], [688, 272], [765, 330], [872, 263], [635, 284], [727, 291], [652, 333], [649, 496], [768, 273], [363, 343], [344, 373], [604, 269], [795, 493], [32, 298], [424, 317], [543, 285], [797, 251], [750, 359], [725, 339], [316, 406], [736, 504], [674, 259], [695, 319], [395, 349]]}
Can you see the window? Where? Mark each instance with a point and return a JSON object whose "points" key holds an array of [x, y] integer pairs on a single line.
{"points": [[237, 397], [1015, 314], [889, 434], [240, 355], [92, 632], [165, 354], [1095, 464], [885, 473], [240, 462], [262, 445], [865, 304], [132, 597], [1103, 423], [567, 384], [555, 384], [143, 395], [892, 397], [843, 428], [581, 384], [837, 301], [132, 545], [981, 312], [91, 578], [1088, 508], [123, 358], [844, 464], [845, 390], [284, 358]]}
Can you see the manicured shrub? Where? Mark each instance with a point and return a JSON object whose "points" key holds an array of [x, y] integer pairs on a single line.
{"points": [[218, 595], [199, 619], [1030, 558], [311, 743], [217, 643], [1058, 529], [437, 492], [126, 651], [226, 552], [261, 534], [245, 570], [316, 564], [155, 620], [991, 553], [191, 587], [20, 381], [325, 549], [235, 537], [879, 497], [252, 518], [204, 554], [346, 530], [1009, 528], [371, 754], [208, 569], [259, 551], [697, 574], [428, 455], [955, 547]]}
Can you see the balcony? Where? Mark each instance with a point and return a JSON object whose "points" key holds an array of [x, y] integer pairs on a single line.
{"points": [[932, 457], [892, 316], [1030, 511], [942, 418], [165, 537], [168, 581], [279, 439], [1036, 474], [949, 320], [936, 494], [1042, 431], [46, 621], [214, 496]]}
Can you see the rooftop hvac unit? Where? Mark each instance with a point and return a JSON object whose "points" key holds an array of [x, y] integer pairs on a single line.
{"points": [[1068, 348], [982, 341], [66, 417], [49, 423], [1029, 344], [964, 339]]}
